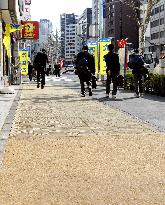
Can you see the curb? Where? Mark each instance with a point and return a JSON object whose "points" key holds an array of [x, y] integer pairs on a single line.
{"points": [[7, 126]]}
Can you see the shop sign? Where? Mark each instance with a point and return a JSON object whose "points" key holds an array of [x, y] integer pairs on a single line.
{"points": [[30, 30]]}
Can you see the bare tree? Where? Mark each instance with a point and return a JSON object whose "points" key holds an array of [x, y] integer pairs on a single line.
{"points": [[142, 24]]}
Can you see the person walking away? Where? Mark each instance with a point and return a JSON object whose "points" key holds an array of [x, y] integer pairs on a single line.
{"points": [[49, 70], [40, 61], [136, 63], [113, 70], [57, 70], [85, 68], [30, 70]]}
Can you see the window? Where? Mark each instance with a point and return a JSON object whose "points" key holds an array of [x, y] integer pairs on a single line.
{"points": [[162, 34], [161, 21]]}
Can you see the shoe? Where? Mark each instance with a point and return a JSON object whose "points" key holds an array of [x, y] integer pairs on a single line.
{"points": [[82, 95], [107, 96], [38, 85], [113, 96], [90, 93], [42, 86]]}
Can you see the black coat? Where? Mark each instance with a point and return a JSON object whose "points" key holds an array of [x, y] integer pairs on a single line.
{"points": [[112, 63], [41, 59], [89, 58]]}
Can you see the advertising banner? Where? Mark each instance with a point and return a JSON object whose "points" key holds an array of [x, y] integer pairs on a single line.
{"points": [[30, 30], [93, 49], [103, 45], [24, 62]]}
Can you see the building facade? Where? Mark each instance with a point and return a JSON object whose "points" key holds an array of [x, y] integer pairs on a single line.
{"points": [[10, 13], [158, 28], [46, 29], [95, 19], [65, 21], [71, 43], [120, 21], [83, 27]]}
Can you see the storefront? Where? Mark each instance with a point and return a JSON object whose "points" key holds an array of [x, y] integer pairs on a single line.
{"points": [[10, 12]]}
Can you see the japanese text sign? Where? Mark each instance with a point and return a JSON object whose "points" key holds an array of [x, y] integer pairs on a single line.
{"points": [[24, 62]]}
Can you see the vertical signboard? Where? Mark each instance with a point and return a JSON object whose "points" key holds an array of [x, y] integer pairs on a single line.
{"points": [[93, 49], [24, 62], [103, 45]]}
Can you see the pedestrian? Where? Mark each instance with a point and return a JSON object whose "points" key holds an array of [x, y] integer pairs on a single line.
{"points": [[136, 63], [57, 69], [30, 70], [113, 70], [49, 70], [85, 68], [40, 62]]}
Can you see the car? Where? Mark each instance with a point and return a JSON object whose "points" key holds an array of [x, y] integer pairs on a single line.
{"points": [[69, 67]]}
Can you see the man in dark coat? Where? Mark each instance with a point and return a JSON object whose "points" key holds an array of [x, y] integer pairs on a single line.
{"points": [[40, 62], [136, 63], [113, 70], [57, 69], [85, 68]]}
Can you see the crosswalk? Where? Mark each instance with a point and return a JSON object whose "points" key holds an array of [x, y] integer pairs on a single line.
{"points": [[52, 79]]}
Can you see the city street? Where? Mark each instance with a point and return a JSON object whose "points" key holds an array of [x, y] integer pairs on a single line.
{"points": [[66, 150]]}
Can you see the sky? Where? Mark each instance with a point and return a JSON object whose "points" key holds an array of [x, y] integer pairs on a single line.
{"points": [[51, 9]]}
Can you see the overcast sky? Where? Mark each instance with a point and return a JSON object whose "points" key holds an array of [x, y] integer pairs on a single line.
{"points": [[51, 9]]}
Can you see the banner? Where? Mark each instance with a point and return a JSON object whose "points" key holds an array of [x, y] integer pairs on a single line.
{"points": [[93, 49], [103, 45], [24, 62], [30, 30], [10, 28]]}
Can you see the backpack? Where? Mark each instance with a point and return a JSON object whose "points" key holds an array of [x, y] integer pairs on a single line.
{"points": [[135, 62], [83, 70]]}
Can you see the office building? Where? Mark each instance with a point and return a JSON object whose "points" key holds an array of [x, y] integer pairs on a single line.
{"points": [[121, 22]]}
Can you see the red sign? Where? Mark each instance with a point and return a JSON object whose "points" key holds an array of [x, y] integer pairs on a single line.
{"points": [[30, 30], [122, 43]]}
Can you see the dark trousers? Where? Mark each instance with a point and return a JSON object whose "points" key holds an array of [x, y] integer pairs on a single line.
{"points": [[30, 76], [57, 73], [108, 83], [89, 86], [41, 76], [138, 83]]}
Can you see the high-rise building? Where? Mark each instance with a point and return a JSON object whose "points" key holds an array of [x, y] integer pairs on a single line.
{"points": [[71, 43], [95, 19], [84, 24], [66, 20], [46, 29], [121, 21], [158, 28]]}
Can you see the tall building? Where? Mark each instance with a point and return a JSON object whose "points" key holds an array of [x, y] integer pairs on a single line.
{"points": [[121, 22], [46, 29], [158, 28], [71, 43], [83, 26], [95, 19], [65, 20]]}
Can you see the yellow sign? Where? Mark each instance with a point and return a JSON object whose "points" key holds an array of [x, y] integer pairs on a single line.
{"points": [[93, 49], [24, 62], [103, 51]]}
